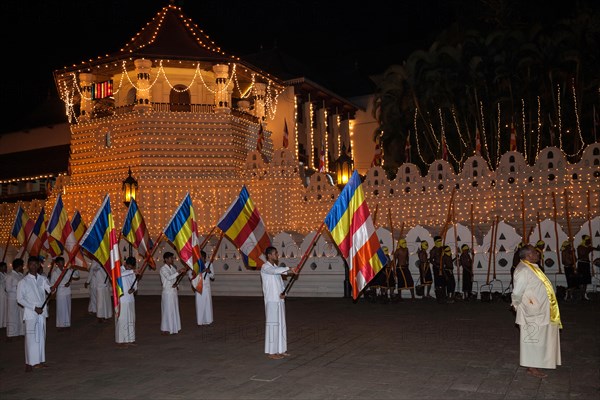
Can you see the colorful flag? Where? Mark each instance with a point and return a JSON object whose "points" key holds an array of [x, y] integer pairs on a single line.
{"points": [[102, 242], [135, 232], [286, 135], [513, 137], [407, 157], [377, 157], [260, 142], [182, 232], [22, 227], [79, 228], [243, 225], [37, 237], [352, 229], [322, 161], [59, 226]]}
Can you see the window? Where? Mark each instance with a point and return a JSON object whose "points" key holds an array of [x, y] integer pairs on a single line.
{"points": [[550, 154], [475, 164]]}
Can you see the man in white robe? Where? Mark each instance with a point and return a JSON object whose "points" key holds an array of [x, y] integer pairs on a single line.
{"points": [[32, 291], [3, 299], [273, 287], [537, 315], [63, 293], [204, 309], [95, 274], [104, 307], [125, 326], [15, 327], [170, 321]]}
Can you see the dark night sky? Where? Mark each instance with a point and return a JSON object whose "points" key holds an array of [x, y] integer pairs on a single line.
{"points": [[40, 36]]}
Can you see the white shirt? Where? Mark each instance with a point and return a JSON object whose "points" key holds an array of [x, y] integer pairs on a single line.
{"points": [[168, 276], [12, 280], [272, 283], [31, 293]]}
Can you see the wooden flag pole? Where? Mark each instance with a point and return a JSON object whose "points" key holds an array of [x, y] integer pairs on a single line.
{"points": [[472, 242], [569, 232], [375, 213], [214, 253], [303, 259], [539, 225], [487, 279], [495, 241], [589, 215], [445, 228], [206, 239], [456, 245], [6, 247], [392, 267], [558, 253]]}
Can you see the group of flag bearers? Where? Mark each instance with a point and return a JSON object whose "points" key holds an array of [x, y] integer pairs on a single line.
{"points": [[349, 221]]}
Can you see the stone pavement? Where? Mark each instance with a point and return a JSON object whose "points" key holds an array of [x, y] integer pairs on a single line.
{"points": [[340, 350]]}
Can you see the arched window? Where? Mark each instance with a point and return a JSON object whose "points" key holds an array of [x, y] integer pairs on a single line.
{"points": [[375, 173], [512, 168], [511, 159], [596, 151], [475, 164], [440, 167], [407, 170], [179, 99], [408, 179], [550, 154], [550, 165]]}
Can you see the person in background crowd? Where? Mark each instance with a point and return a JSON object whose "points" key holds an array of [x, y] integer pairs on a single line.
{"points": [[424, 268], [466, 263], [3, 299], [204, 309], [401, 261], [63, 293], [15, 328], [567, 256], [170, 322], [584, 264]]}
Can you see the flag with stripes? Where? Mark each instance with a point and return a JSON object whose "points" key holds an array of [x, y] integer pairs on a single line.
{"points": [[101, 241], [135, 232], [22, 226], [182, 232], [352, 229], [59, 227], [79, 228], [243, 225], [36, 239]]}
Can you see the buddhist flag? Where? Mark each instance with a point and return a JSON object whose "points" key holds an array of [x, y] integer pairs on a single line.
{"points": [[286, 135], [102, 242], [22, 226], [322, 161], [136, 232], [37, 237], [352, 229], [182, 232], [79, 228], [243, 225], [59, 226], [51, 245], [513, 137]]}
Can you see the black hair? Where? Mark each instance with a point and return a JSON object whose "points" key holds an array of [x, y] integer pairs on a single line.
{"points": [[167, 255], [270, 250], [130, 260]]}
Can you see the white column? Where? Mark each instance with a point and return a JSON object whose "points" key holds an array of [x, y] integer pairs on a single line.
{"points": [[86, 81], [222, 91], [142, 69]]}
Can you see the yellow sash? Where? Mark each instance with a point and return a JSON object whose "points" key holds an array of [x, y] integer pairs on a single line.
{"points": [[554, 311]]}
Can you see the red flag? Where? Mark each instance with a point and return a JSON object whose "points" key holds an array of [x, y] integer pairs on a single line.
{"points": [[260, 142], [286, 139], [444, 149], [322, 161], [377, 157], [407, 148], [513, 137]]}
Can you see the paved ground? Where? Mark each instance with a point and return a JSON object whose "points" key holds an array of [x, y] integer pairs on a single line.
{"points": [[340, 350]]}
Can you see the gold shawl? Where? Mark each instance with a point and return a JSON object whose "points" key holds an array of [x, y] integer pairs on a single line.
{"points": [[554, 311]]}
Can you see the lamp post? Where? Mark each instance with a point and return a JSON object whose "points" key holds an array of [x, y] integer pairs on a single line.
{"points": [[129, 188], [344, 166]]}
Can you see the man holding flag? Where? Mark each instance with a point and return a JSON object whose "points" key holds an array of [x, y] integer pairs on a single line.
{"points": [[62, 282], [170, 321]]}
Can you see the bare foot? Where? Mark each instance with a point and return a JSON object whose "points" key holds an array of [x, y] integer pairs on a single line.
{"points": [[285, 354], [275, 356], [536, 372]]}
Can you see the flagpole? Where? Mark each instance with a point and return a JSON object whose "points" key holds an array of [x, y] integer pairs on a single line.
{"points": [[456, 245], [539, 225], [525, 237], [495, 242], [589, 215], [214, 253], [487, 279], [203, 244], [472, 244], [566, 194], [393, 244], [149, 255], [6, 247], [303, 259], [558, 255]]}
